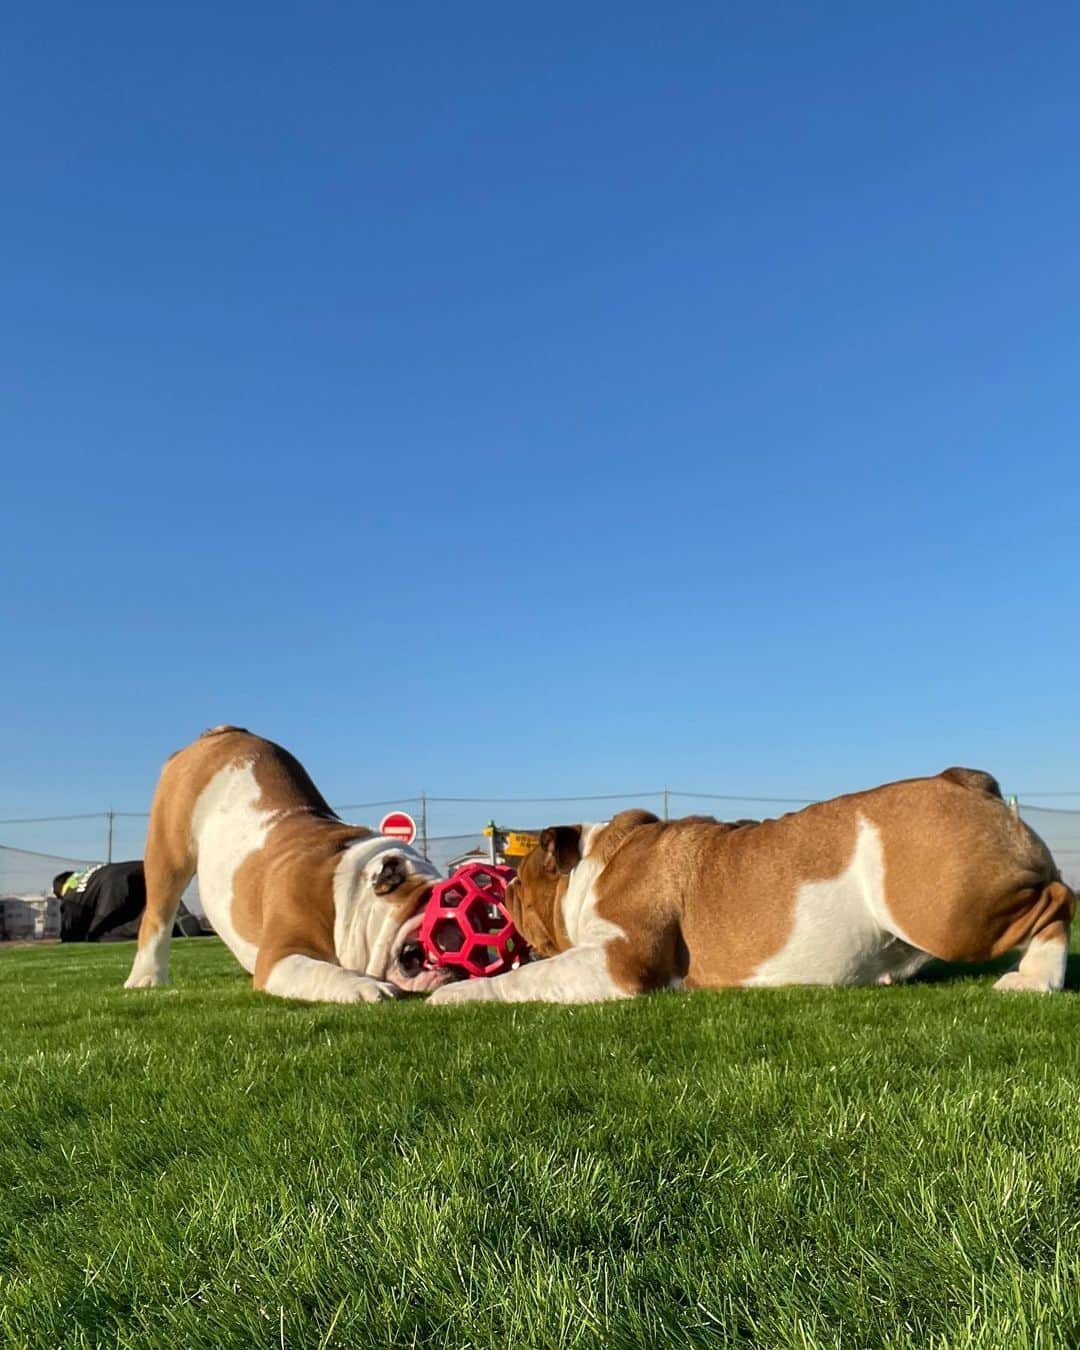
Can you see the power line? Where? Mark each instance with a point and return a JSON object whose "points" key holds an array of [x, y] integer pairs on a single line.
{"points": [[33, 853], [596, 797], [392, 801], [52, 820], [729, 797], [504, 801]]}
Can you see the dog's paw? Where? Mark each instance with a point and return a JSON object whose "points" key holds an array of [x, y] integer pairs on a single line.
{"points": [[373, 991], [461, 991], [1018, 983], [148, 980]]}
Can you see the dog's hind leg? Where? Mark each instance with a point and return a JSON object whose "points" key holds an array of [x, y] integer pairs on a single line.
{"points": [[1042, 967], [169, 866]]}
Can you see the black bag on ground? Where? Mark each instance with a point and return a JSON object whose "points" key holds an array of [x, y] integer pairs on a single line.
{"points": [[106, 903]]}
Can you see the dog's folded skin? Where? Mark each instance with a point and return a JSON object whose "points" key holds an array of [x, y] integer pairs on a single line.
{"points": [[862, 889], [314, 908]]}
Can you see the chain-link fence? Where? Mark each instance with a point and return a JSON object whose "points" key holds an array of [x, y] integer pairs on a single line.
{"points": [[448, 828], [27, 873], [1061, 831]]}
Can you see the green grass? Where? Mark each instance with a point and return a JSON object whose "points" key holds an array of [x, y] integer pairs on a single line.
{"points": [[202, 1166]]}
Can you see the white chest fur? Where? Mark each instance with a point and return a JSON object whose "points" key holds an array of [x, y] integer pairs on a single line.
{"points": [[584, 927]]}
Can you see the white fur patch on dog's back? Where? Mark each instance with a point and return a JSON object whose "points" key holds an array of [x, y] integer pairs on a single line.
{"points": [[228, 827], [842, 931]]}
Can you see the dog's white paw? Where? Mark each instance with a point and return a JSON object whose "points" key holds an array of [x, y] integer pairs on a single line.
{"points": [[1023, 984], [147, 980], [373, 991], [461, 991]]}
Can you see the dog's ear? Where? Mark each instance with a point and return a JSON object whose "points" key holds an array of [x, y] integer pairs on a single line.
{"points": [[562, 848], [392, 874]]}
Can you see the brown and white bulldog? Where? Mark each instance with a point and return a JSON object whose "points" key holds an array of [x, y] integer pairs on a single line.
{"points": [[313, 908], [861, 889]]}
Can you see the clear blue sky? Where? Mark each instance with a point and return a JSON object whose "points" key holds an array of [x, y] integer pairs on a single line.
{"points": [[487, 398]]}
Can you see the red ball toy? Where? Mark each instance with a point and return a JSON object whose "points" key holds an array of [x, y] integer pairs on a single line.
{"points": [[467, 925]]}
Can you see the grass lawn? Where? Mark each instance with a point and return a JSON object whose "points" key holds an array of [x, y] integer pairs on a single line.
{"points": [[203, 1166]]}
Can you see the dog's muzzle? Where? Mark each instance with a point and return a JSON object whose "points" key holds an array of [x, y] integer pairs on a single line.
{"points": [[409, 970]]}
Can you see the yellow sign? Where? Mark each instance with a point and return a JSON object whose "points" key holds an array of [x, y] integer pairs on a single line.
{"points": [[518, 844]]}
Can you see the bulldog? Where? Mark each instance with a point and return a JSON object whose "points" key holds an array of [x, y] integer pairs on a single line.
{"points": [[861, 889], [314, 908]]}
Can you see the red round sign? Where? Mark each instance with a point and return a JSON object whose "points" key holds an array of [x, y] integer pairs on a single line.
{"points": [[398, 825]]}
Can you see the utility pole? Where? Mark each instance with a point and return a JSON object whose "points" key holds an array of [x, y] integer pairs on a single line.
{"points": [[665, 804], [108, 842], [423, 824]]}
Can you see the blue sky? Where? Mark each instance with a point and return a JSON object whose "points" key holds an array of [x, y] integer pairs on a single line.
{"points": [[492, 399]]}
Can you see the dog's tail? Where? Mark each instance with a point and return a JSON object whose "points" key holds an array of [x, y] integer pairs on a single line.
{"points": [[976, 779]]}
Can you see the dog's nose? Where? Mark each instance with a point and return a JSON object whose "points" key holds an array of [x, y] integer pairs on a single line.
{"points": [[411, 958]]}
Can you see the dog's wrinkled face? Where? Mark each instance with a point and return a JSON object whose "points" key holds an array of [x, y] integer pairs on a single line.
{"points": [[404, 879], [534, 897]]}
